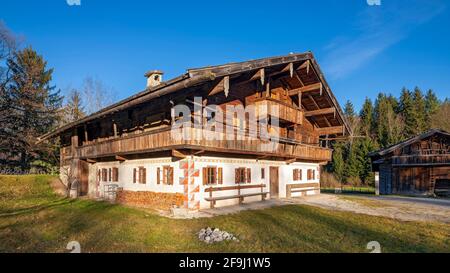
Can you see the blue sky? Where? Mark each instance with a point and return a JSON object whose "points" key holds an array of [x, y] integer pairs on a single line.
{"points": [[362, 49]]}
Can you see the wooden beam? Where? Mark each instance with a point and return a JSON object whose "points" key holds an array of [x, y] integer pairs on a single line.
{"points": [[178, 154], [226, 85], [307, 88], [307, 65], [92, 161], [120, 158], [331, 130], [297, 76], [198, 152], [320, 112], [222, 86], [290, 161], [259, 75]]}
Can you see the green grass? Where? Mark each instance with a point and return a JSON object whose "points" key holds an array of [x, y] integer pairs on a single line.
{"points": [[33, 219]]}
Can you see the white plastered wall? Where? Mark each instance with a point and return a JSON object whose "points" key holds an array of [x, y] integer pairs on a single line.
{"points": [[228, 164]]}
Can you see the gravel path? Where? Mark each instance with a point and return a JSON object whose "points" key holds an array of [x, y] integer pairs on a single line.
{"points": [[400, 208]]}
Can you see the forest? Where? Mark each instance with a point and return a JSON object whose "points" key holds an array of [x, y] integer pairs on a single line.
{"points": [[31, 106]]}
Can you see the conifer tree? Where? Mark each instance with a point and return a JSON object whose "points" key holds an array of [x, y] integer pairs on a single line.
{"points": [[408, 112], [432, 105], [33, 102]]}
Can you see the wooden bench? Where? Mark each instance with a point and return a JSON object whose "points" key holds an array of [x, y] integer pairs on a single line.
{"points": [[240, 196], [303, 187]]}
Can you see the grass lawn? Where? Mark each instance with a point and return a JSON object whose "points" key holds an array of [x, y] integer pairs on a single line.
{"points": [[34, 219]]}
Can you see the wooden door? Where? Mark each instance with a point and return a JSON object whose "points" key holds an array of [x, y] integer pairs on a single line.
{"points": [[274, 183], [84, 177]]}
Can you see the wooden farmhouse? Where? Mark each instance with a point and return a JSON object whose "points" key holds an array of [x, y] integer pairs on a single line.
{"points": [[419, 165], [129, 151]]}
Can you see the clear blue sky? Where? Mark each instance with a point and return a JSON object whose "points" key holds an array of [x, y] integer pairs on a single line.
{"points": [[362, 49]]}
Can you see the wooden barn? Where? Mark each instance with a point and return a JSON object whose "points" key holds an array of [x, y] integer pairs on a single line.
{"points": [[282, 116], [419, 165]]}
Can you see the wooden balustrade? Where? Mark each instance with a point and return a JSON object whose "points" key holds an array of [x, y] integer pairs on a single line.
{"points": [[432, 159], [163, 140], [285, 112]]}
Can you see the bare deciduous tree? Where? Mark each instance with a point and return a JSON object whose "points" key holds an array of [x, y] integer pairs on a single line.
{"points": [[96, 95]]}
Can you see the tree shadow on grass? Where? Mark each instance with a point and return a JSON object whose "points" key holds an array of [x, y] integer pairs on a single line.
{"points": [[37, 208], [316, 231]]}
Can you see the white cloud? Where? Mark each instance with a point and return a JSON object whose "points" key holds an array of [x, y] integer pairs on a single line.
{"points": [[377, 29]]}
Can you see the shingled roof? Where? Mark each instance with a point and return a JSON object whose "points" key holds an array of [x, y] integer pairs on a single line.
{"points": [[407, 142], [199, 76]]}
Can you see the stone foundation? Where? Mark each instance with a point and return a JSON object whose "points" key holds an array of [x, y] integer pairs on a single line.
{"points": [[147, 199]]}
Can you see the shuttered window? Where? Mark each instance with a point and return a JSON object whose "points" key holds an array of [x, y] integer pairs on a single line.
{"points": [[210, 176], [311, 174], [104, 175], [134, 176], [263, 173], [109, 174], [297, 174], [99, 175], [142, 175], [168, 175], [243, 175]]}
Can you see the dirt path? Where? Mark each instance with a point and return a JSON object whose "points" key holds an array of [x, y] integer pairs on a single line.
{"points": [[400, 208]]}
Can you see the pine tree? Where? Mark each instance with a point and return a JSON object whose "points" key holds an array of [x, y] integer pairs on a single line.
{"points": [[432, 105], [389, 126], [34, 105], [338, 164], [352, 166], [365, 146], [408, 113], [419, 108], [366, 115]]}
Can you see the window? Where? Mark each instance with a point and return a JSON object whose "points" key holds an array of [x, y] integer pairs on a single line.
{"points": [[311, 174], [212, 175], [99, 175], [109, 175], [134, 176], [297, 174], [142, 175], [104, 175], [115, 174], [242, 175], [168, 175], [263, 173]]}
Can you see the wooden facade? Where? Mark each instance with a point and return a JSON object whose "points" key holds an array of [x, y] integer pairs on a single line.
{"points": [[139, 127], [420, 165]]}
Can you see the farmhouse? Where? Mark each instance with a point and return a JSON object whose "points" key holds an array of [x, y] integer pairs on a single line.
{"points": [[419, 165], [214, 136]]}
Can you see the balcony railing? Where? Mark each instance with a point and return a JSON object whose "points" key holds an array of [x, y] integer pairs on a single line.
{"points": [[163, 140], [436, 159], [284, 111]]}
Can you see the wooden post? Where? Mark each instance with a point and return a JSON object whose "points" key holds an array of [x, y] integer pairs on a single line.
{"points": [[263, 196], [210, 196], [115, 128], [85, 134]]}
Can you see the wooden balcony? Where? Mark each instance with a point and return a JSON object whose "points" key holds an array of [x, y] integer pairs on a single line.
{"points": [[422, 160], [162, 140], [284, 111]]}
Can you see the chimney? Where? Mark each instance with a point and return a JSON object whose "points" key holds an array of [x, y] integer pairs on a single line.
{"points": [[154, 78]]}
